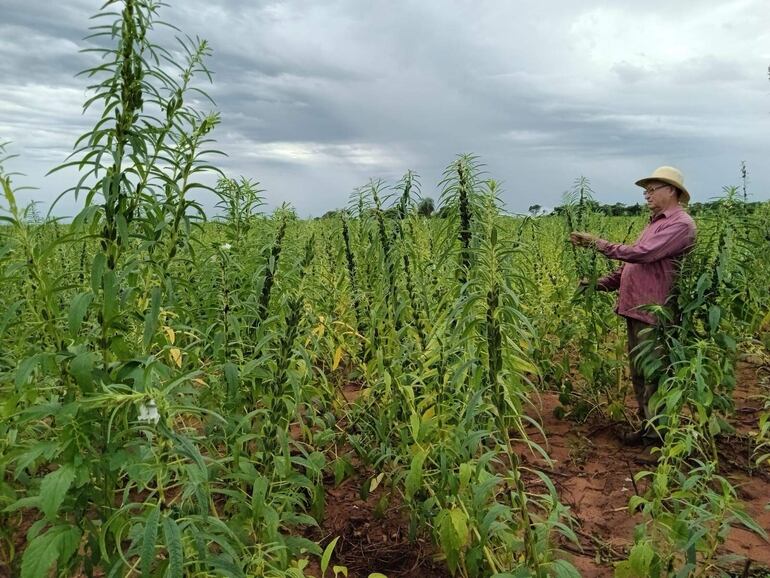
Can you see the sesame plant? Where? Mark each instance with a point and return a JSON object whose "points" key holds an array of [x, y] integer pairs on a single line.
{"points": [[445, 428], [114, 457], [598, 348]]}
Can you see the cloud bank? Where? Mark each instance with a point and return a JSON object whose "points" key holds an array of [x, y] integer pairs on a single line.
{"points": [[317, 98]]}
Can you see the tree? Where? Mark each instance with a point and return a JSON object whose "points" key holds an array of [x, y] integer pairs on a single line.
{"points": [[534, 210], [426, 207]]}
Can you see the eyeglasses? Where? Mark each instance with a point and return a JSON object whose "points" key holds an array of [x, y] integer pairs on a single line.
{"points": [[653, 189]]}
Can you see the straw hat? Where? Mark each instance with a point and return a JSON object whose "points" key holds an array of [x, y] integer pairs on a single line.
{"points": [[670, 176]]}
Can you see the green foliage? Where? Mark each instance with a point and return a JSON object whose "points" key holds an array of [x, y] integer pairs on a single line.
{"points": [[426, 207], [57, 544], [172, 387]]}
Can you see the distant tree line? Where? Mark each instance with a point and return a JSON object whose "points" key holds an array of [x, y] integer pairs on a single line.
{"points": [[614, 210], [426, 208], [621, 210]]}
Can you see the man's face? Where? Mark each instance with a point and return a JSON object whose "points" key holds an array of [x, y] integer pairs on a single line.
{"points": [[659, 196]]}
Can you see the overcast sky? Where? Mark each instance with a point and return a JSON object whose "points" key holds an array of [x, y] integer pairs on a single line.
{"points": [[318, 97]]}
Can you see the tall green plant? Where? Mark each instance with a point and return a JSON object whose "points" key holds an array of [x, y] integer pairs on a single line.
{"points": [[102, 369]]}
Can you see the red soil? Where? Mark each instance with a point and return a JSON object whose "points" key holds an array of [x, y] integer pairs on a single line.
{"points": [[373, 535], [593, 473]]}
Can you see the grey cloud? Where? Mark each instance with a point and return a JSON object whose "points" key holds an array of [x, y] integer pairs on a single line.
{"points": [[316, 98], [709, 70], [631, 73], [63, 20]]}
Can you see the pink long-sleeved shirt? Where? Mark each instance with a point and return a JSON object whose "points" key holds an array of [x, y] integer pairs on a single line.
{"points": [[650, 265]]}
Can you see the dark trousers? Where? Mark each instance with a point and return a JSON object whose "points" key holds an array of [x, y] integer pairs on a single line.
{"points": [[644, 385]]}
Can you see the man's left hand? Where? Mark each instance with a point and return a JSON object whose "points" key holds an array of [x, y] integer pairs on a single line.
{"points": [[580, 239]]}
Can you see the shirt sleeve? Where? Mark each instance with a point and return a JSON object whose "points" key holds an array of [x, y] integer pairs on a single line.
{"points": [[610, 282], [667, 242]]}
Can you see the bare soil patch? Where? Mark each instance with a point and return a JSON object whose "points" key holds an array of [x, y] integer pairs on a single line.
{"points": [[593, 473], [373, 534]]}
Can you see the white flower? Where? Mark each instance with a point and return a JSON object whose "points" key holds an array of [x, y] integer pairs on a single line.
{"points": [[225, 246], [149, 412]]}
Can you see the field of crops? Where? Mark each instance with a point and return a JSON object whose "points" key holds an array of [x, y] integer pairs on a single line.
{"points": [[376, 392]]}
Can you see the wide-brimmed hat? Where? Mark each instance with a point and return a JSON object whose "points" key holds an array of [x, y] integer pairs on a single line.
{"points": [[670, 176]]}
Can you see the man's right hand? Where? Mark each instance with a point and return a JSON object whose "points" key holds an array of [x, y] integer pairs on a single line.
{"points": [[582, 239]]}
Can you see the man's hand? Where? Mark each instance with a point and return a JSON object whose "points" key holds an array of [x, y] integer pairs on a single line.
{"points": [[583, 239]]}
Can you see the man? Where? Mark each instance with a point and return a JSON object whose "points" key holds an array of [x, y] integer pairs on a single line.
{"points": [[648, 270]]}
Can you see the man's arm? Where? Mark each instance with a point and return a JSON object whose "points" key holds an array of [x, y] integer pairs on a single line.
{"points": [[672, 240], [610, 282]]}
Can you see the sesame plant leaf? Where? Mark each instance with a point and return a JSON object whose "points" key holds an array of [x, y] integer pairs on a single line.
{"points": [[327, 555], [58, 543], [26, 367], [173, 538], [78, 309], [22, 503], [82, 367], [97, 271], [54, 488], [563, 569], [38, 557], [448, 540], [715, 313], [414, 477], [460, 526], [749, 522], [149, 540]]}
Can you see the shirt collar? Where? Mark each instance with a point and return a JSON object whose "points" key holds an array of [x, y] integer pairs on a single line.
{"points": [[667, 213]]}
